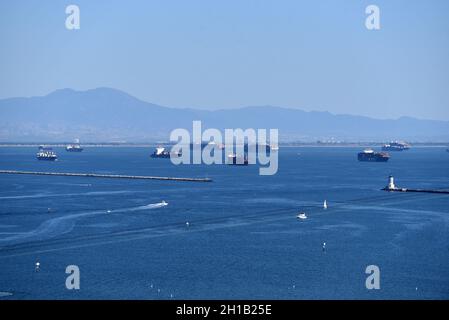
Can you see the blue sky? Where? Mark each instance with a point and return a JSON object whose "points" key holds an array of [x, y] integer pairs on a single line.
{"points": [[311, 55]]}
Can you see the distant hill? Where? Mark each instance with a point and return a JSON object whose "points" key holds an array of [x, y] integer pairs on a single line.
{"points": [[108, 115]]}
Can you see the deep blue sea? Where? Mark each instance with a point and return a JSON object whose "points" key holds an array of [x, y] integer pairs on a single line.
{"points": [[243, 240]]}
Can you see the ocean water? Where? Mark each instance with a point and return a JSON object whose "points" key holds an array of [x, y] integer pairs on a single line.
{"points": [[243, 240]]}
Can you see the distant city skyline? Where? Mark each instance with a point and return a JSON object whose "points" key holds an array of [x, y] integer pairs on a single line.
{"points": [[308, 55]]}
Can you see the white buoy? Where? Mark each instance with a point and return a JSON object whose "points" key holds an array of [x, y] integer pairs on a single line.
{"points": [[325, 204], [324, 246], [187, 224], [38, 266], [109, 211]]}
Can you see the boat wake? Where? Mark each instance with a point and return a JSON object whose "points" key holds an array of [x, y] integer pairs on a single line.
{"points": [[59, 195], [5, 294], [64, 224], [140, 208]]}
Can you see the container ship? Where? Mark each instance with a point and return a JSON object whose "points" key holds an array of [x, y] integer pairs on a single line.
{"points": [[46, 154], [370, 155], [161, 152], [44, 148], [395, 146], [233, 159], [74, 147]]}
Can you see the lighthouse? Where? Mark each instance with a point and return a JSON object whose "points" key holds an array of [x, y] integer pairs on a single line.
{"points": [[391, 185], [392, 188]]}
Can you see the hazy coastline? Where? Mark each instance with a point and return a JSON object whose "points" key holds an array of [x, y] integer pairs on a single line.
{"points": [[283, 145]]}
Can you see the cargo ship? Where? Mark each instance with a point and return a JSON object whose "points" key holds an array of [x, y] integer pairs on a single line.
{"points": [[46, 155], [233, 159], [395, 146], [74, 147], [161, 152], [370, 155], [44, 148]]}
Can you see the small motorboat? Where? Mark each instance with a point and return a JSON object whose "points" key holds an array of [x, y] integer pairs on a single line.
{"points": [[301, 216]]}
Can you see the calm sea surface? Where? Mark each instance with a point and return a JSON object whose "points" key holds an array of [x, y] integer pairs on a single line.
{"points": [[243, 240]]}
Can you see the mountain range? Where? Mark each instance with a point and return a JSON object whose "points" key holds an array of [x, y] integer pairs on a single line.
{"points": [[110, 115]]}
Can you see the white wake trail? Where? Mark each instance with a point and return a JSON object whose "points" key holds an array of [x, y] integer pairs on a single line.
{"points": [[64, 224]]}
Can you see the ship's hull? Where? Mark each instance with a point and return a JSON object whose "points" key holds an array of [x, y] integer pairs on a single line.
{"points": [[163, 156], [238, 164], [394, 149], [46, 158], [234, 161], [395, 146], [373, 157], [74, 149]]}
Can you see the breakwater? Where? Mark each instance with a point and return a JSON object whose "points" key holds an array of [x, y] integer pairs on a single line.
{"points": [[111, 176]]}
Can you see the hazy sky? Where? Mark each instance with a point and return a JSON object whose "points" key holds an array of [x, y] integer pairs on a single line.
{"points": [[312, 55]]}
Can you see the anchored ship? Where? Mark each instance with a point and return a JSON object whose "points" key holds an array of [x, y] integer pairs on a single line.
{"points": [[75, 147], [370, 155], [233, 159], [46, 155], [395, 146], [44, 148], [161, 152]]}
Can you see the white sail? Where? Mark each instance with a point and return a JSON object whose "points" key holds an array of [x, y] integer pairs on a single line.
{"points": [[325, 204]]}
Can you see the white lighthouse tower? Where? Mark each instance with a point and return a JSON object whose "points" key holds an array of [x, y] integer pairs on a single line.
{"points": [[391, 185]]}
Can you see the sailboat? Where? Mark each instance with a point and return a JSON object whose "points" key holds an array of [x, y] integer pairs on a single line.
{"points": [[325, 204]]}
